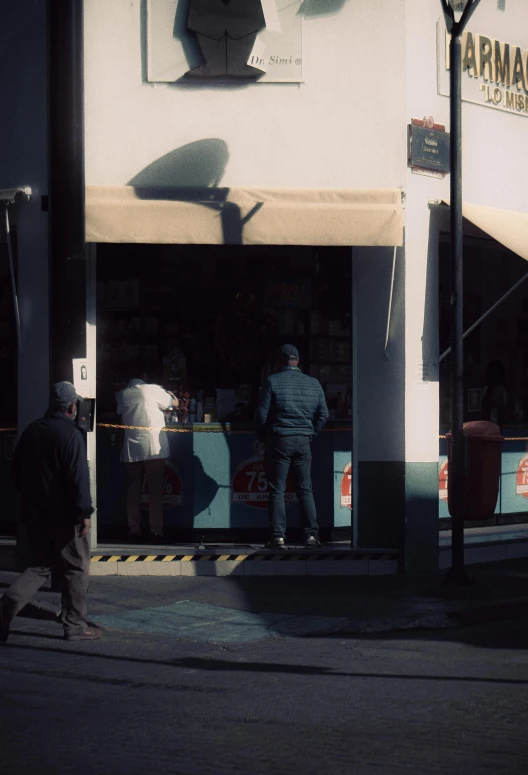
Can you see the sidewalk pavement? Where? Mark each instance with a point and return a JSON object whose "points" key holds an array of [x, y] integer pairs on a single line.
{"points": [[238, 609], [482, 545]]}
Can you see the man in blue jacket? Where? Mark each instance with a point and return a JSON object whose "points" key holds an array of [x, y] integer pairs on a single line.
{"points": [[50, 470], [291, 412]]}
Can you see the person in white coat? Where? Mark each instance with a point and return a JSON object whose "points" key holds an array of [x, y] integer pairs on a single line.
{"points": [[144, 452]]}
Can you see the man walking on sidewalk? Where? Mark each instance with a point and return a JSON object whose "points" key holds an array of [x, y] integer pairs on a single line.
{"points": [[50, 470], [291, 412]]}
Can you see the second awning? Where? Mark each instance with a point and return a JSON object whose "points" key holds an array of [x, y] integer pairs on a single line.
{"points": [[509, 227]]}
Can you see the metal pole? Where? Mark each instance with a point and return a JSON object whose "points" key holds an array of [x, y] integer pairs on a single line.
{"points": [[456, 468], [457, 472]]}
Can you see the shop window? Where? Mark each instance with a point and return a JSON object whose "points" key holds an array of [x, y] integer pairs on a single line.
{"points": [[205, 323]]}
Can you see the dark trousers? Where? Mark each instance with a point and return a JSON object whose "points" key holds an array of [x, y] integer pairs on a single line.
{"points": [[281, 453], [59, 547]]}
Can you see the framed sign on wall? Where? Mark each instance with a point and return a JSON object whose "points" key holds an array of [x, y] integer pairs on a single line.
{"points": [[224, 40]]}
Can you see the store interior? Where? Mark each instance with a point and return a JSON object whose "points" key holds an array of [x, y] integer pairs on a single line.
{"points": [[496, 351], [205, 322]]}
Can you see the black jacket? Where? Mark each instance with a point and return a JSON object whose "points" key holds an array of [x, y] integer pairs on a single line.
{"points": [[291, 404], [50, 470]]}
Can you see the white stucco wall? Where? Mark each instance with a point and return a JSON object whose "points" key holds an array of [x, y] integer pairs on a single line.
{"points": [[344, 127]]}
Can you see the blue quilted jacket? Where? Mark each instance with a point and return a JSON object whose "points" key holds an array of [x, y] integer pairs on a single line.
{"points": [[290, 404]]}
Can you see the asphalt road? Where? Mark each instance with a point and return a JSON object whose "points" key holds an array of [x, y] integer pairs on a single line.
{"points": [[452, 701]]}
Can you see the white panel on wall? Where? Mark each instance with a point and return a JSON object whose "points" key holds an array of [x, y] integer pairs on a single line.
{"points": [[272, 55]]}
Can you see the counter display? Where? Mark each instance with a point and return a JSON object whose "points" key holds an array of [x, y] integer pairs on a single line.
{"points": [[204, 483], [215, 482]]}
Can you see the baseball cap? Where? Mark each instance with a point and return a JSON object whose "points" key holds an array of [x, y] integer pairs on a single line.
{"points": [[64, 393], [289, 352]]}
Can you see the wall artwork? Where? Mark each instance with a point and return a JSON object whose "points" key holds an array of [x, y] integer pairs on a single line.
{"points": [[224, 40]]}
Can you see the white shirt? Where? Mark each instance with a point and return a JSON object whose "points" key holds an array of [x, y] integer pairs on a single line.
{"points": [[143, 405]]}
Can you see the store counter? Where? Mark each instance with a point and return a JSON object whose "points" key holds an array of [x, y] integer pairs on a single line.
{"points": [[215, 485]]}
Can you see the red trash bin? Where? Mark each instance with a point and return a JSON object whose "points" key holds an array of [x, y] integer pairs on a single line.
{"points": [[482, 469]]}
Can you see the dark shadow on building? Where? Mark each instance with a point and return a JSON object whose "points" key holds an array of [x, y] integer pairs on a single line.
{"points": [[198, 164], [205, 488]]}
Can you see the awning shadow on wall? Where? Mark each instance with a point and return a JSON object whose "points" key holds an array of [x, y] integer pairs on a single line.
{"points": [[189, 174], [199, 164]]}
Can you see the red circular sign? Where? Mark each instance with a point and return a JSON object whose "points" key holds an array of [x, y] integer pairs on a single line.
{"points": [[172, 488], [250, 486], [521, 480], [442, 481], [346, 486]]}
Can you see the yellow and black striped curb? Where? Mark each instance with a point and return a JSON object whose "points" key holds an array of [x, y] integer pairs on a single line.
{"points": [[285, 556]]}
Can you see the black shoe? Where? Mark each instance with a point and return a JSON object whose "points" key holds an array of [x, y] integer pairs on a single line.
{"points": [[90, 633], [312, 542], [135, 538], [4, 624], [156, 538], [276, 543]]}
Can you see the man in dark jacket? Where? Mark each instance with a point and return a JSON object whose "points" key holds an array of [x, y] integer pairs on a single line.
{"points": [[50, 470], [291, 412]]}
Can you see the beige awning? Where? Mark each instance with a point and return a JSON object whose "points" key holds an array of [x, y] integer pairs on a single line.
{"points": [[244, 216], [508, 227]]}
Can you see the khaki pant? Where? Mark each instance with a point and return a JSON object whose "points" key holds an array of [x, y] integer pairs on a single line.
{"points": [[62, 548], [154, 470]]}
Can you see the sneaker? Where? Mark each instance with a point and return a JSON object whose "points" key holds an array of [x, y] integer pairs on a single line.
{"points": [[90, 633], [135, 538], [4, 625], [276, 543], [156, 538], [311, 542]]}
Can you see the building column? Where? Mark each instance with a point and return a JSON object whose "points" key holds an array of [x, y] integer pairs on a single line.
{"points": [[378, 399], [396, 399], [421, 382]]}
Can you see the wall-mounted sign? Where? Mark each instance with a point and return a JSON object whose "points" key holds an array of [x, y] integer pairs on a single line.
{"points": [[494, 74], [82, 379], [428, 147], [230, 40]]}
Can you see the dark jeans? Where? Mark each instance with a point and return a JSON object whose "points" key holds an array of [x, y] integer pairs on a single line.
{"points": [[68, 554], [281, 453]]}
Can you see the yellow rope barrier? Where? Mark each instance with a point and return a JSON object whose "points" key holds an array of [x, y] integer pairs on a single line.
{"points": [[194, 429], [202, 429]]}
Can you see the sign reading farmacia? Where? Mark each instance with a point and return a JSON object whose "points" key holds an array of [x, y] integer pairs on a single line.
{"points": [[494, 74]]}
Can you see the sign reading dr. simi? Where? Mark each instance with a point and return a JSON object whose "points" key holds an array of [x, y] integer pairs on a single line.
{"points": [[224, 40]]}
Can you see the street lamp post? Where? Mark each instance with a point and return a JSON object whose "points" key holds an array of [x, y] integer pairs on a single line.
{"points": [[455, 27]]}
